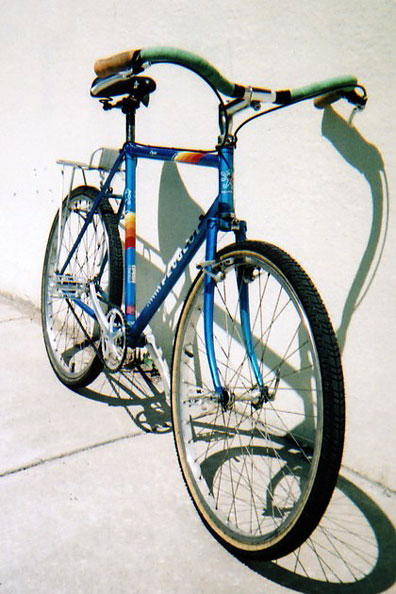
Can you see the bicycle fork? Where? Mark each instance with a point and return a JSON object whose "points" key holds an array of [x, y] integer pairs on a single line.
{"points": [[211, 278]]}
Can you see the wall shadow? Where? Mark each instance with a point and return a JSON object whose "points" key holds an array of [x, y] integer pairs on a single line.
{"points": [[178, 216], [176, 209], [352, 550], [135, 388], [367, 160]]}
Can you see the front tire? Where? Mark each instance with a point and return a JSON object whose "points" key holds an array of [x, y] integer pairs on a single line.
{"points": [[260, 474]]}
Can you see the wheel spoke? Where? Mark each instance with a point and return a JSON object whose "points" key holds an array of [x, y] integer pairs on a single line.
{"points": [[71, 334], [251, 465]]}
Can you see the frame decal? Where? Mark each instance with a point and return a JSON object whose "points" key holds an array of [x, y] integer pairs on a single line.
{"points": [[189, 157], [130, 230]]}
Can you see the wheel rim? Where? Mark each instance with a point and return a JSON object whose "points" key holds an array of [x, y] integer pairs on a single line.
{"points": [[72, 335], [250, 471]]}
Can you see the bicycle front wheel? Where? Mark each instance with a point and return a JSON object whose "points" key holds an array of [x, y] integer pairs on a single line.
{"points": [[260, 471], [71, 335]]}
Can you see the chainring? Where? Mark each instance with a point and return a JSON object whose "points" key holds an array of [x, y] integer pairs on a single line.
{"points": [[114, 340]]}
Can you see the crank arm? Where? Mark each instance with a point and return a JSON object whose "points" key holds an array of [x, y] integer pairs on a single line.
{"points": [[100, 316]]}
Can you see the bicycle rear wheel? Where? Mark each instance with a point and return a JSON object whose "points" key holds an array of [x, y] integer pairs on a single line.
{"points": [[260, 474], [71, 336]]}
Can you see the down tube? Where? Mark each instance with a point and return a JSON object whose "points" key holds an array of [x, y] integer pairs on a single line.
{"points": [[172, 276]]}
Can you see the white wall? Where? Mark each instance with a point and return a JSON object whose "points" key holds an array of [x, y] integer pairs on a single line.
{"points": [[313, 185]]}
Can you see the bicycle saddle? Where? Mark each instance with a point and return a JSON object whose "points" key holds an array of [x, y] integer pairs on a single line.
{"points": [[122, 84]]}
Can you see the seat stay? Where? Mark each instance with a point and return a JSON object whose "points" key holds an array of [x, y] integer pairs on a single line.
{"points": [[90, 215]]}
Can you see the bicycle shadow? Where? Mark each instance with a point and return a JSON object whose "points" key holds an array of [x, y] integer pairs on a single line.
{"points": [[352, 550], [141, 395], [367, 160], [176, 211], [176, 206], [139, 392]]}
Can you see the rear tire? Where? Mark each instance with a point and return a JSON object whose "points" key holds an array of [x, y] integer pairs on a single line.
{"points": [[260, 474], [71, 336]]}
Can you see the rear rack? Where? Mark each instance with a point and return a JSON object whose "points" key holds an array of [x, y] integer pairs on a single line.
{"points": [[107, 158]]}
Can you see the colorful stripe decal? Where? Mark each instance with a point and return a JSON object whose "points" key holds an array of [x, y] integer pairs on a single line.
{"points": [[130, 231], [131, 311], [188, 157]]}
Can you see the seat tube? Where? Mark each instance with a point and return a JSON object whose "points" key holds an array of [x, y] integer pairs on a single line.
{"points": [[130, 239]]}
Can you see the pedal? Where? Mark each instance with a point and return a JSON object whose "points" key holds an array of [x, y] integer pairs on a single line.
{"points": [[65, 285]]}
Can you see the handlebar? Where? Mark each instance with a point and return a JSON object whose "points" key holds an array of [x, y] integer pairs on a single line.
{"points": [[138, 60]]}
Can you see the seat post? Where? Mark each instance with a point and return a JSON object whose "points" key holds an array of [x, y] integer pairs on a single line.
{"points": [[129, 107]]}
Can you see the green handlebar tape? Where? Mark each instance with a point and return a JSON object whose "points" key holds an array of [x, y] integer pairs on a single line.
{"points": [[199, 65], [325, 86], [156, 55]]}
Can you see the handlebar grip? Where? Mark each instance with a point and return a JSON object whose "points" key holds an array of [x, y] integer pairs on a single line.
{"points": [[107, 66], [350, 95], [331, 85]]}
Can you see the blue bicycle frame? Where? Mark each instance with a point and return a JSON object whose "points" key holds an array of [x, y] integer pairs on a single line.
{"points": [[220, 216]]}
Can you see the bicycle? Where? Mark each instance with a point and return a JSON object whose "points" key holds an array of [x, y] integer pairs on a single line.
{"points": [[256, 383]]}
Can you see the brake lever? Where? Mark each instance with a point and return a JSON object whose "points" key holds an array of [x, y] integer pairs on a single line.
{"points": [[359, 102], [353, 97]]}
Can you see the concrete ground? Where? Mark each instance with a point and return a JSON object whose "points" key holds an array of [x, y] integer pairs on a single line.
{"points": [[92, 500]]}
